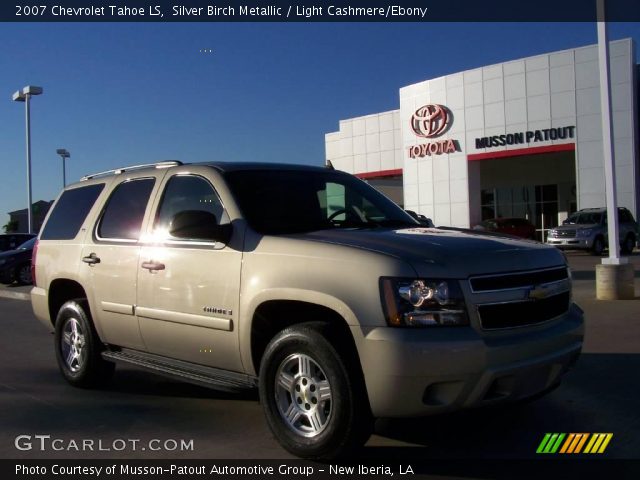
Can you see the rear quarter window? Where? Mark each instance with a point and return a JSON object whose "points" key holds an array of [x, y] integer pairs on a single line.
{"points": [[70, 212]]}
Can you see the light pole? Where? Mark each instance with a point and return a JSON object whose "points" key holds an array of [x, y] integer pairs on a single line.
{"points": [[24, 95], [614, 276], [64, 154]]}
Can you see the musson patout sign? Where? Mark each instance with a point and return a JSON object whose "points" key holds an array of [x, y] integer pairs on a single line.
{"points": [[430, 121]]}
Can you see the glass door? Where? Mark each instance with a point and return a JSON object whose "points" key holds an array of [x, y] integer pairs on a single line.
{"points": [[546, 210]]}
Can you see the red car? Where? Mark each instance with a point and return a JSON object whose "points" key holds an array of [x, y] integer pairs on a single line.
{"points": [[519, 227]]}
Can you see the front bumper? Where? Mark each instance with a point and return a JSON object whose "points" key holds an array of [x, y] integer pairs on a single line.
{"points": [[579, 243], [414, 372]]}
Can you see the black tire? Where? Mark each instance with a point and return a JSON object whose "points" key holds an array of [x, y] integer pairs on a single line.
{"points": [[329, 410], [598, 246], [78, 347], [22, 274], [628, 244]]}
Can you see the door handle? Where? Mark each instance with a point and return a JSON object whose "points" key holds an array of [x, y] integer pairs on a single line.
{"points": [[91, 259], [152, 266]]}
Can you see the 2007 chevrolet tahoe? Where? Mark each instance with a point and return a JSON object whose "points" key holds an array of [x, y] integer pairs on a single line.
{"points": [[304, 282]]}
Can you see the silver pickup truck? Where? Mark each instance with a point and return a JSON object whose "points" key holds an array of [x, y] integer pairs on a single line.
{"points": [[304, 282]]}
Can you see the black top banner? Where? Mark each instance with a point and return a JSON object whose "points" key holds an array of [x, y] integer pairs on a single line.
{"points": [[317, 11]]}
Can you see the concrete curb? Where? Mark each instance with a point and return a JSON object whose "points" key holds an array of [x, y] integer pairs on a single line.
{"points": [[15, 295]]}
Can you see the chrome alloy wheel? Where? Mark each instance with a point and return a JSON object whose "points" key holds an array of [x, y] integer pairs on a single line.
{"points": [[72, 343], [303, 395]]}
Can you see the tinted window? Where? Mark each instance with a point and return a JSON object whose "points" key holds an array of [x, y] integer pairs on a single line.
{"points": [[585, 218], [70, 211], [187, 193], [123, 215], [290, 201]]}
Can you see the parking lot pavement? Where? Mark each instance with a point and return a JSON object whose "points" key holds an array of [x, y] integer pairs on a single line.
{"points": [[601, 394], [610, 324], [15, 292]]}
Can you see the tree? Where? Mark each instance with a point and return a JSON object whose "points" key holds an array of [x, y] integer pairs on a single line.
{"points": [[11, 226]]}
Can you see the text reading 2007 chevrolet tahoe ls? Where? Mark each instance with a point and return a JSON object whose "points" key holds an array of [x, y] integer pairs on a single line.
{"points": [[305, 282]]}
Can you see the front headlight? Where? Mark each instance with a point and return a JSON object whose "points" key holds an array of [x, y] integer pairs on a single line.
{"points": [[553, 233], [423, 303]]}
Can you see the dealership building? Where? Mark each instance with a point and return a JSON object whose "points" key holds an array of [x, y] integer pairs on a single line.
{"points": [[517, 139]]}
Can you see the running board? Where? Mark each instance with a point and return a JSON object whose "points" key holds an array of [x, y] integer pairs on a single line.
{"points": [[188, 372]]}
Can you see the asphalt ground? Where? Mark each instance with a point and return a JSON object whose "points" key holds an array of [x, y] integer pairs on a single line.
{"points": [[601, 394]]}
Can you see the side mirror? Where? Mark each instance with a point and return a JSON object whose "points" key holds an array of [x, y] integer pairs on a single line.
{"points": [[199, 225]]}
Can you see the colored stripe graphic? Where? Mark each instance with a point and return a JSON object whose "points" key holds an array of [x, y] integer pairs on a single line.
{"points": [[574, 443], [567, 443], [598, 442], [550, 443], [543, 443]]}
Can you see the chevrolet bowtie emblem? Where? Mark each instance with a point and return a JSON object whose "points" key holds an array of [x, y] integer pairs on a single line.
{"points": [[538, 293]]}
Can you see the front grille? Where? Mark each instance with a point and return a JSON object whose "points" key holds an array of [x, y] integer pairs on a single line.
{"points": [[565, 234], [519, 314], [517, 280]]}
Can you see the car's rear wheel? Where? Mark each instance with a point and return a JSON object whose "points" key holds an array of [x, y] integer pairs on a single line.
{"points": [[598, 246], [78, 348], [313, 400], [628, 244]]}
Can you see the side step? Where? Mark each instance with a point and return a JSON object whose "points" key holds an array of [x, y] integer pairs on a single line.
{"points": [[185, 371]]}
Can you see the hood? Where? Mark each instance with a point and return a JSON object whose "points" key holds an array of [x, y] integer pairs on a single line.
{"points": [[447, 253], [13, 253]]}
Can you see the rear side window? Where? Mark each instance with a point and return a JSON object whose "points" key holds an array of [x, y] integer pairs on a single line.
{"points": [[70, 211], [624, 216], [123, 215]]}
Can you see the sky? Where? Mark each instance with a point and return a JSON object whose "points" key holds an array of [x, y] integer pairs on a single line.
{"points": [[122, 94]]}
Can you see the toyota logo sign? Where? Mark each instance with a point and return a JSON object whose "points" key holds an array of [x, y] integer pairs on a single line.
{"points": [[430, 120]]}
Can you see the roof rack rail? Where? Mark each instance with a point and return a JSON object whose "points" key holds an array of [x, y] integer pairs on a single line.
{"points": [[118, 171]]}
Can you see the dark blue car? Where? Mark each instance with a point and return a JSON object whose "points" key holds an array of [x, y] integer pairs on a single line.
{"points": [[15, 265]]}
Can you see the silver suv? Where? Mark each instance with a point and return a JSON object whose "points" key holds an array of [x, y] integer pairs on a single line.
{"points": [[305, 283], [587, 230]]}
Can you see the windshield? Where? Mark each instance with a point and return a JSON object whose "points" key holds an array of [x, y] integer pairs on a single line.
{"points": [[585, 218], [296, 201]]}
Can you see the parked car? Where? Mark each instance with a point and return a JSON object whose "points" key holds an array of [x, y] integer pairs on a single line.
{"points": [[587, 229], [518, 227], [304, 282], [11, 241], [15, 265]]}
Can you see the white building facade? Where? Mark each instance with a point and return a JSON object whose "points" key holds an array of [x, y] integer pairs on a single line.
{"points": [[517, 139]]}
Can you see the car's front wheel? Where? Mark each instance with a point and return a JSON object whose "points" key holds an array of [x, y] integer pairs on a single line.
{"points": [[78, 347], [313, 400], [23, 274]]}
